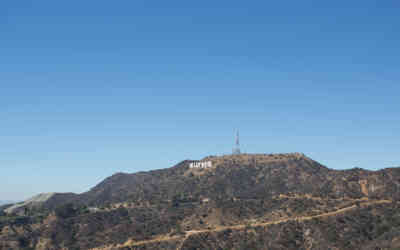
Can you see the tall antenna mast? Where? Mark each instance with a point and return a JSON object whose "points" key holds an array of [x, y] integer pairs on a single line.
{"points": [[237, 140], [236, 149]]}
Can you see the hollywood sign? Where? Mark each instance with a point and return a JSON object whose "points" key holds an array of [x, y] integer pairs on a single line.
{"points": [[200, 164]]}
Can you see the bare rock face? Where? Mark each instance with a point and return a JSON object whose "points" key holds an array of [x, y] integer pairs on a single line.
{"points": [[244, 201]]}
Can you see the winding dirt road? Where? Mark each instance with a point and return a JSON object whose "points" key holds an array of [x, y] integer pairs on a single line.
{"points": [[187, 234]]}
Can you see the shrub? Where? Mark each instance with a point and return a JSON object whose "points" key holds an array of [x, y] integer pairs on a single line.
{"points": [[66, 211]]}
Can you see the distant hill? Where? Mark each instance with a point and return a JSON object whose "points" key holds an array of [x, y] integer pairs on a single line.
{"points": [[6, 202], [38, 201], [246, 201]]}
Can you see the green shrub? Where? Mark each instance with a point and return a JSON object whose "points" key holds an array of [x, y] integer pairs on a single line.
{"points": [[66, 211]]}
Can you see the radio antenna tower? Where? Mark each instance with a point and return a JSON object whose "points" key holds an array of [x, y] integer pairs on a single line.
{"points": [[236, 149]]}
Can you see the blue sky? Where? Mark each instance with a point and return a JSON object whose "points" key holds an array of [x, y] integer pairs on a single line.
{"points": [[90, 88]]}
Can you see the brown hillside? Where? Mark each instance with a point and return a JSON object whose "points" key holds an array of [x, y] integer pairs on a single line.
{"points": [[262, 201]]}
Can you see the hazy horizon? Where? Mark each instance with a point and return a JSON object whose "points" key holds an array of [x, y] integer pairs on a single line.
{"points": [[88, 89]]}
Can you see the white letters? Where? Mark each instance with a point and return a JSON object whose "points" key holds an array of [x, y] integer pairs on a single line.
{"points": [[200, 164]]}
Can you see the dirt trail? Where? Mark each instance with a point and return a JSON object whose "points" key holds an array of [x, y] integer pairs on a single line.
{"points": [[302, 218], [307, 196], [130, 243]]}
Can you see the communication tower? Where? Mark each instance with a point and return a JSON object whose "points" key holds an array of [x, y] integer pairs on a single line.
{"points": [[236, 149]]}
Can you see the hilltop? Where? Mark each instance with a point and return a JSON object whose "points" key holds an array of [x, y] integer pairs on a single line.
{"points": [[242, 176], [276, 201]]}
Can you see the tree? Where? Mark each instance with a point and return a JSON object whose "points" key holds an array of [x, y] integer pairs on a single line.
{"points": [[66, 211], [176, 200], [179, 230]]}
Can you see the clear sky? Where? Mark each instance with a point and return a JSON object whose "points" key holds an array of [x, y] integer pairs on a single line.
{"points": [[90, 88]]}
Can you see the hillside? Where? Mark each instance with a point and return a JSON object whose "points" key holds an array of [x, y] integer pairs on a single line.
{"points": [[274, 201], [244, 176], [6, 202]]}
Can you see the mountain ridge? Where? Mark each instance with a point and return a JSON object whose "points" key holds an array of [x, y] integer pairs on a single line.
{"points": [[233, 197], [119, 186]]}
